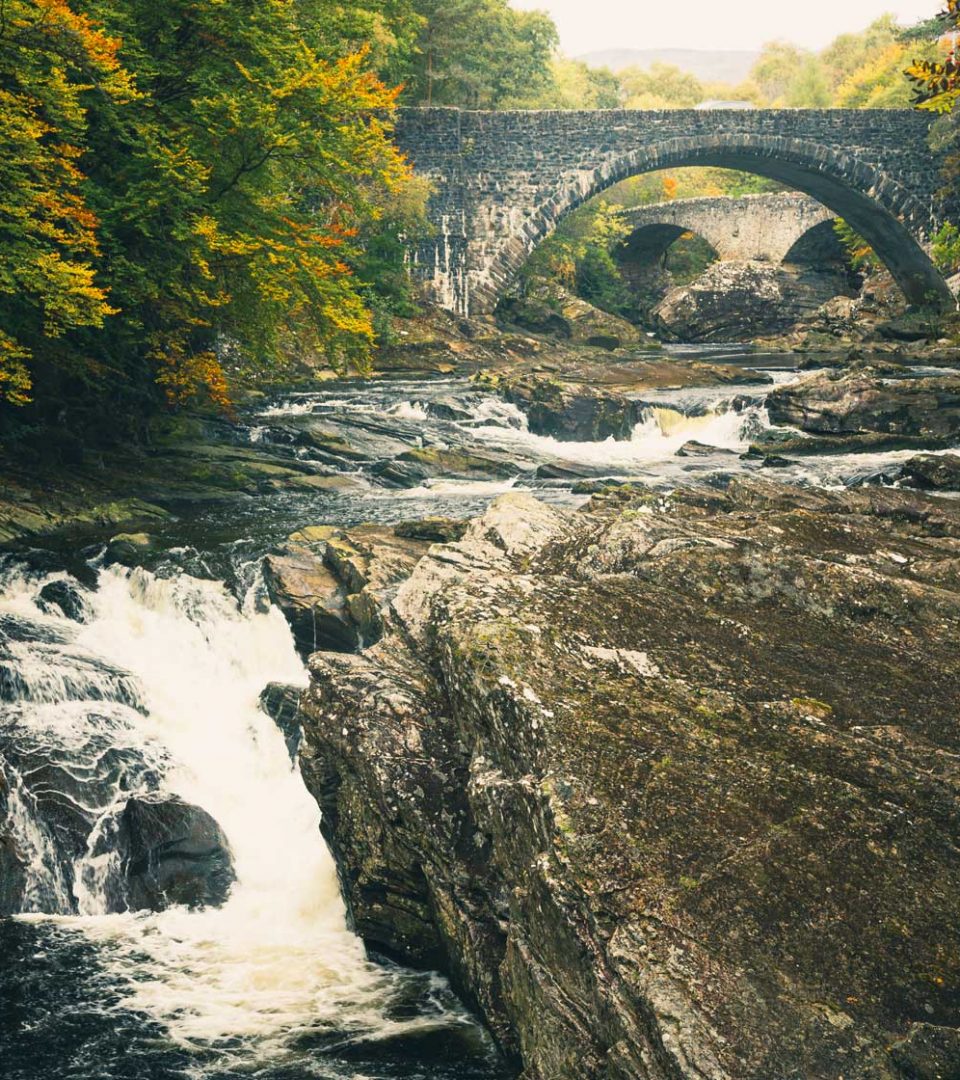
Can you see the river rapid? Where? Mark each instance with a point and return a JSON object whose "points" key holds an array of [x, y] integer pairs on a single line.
{"points": [[120, 683]]}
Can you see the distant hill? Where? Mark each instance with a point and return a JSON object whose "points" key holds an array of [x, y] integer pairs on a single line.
{"points": [[731, 66]]}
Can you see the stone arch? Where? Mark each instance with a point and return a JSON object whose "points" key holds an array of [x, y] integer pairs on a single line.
{"points": [[874, 204]]}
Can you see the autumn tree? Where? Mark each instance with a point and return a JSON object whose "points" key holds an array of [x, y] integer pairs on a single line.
{"points": [[937, 82], [51, 60], [231, 190]]}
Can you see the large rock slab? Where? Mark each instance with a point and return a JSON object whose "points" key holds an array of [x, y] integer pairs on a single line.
{"points": [[870, 399], [333, 585], [669, 786]]}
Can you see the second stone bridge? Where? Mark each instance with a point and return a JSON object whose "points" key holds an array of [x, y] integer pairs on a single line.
{"points": [[766, 228], [502, 181]]}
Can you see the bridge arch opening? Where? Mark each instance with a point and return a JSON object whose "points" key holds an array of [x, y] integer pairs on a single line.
{"points": [[667, 247], [873, 204], [819, 246]]}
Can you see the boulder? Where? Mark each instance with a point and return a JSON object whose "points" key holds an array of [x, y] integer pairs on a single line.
{"points": [[668, 785], [738, 301], [556, 312], [870, 399], [334, 584], [692, 448], [128, 549], [281, 703], [65, 598], [588, 325], [571, 412], [311, 598], [938, 472], [171, 853]]}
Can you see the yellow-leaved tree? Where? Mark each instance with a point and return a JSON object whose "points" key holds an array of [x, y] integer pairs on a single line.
{"points": [[51, 58]]}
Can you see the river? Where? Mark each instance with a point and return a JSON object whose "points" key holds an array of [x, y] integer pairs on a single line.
{"points": [[152, 689]]}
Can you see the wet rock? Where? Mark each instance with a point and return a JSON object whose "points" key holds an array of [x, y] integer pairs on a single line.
{"points": [[128, 549], [61, 769], [938, 472], [437, 530], [412, 467], [449, 408], [172, 853], [330, 445], [568, 470], [572, 411], [864, 442], [13, 859], [20, 628], [671, 793], [401, 474], [281, 703], [63, 597], [870, 399], [312, 599], [692, 448]]}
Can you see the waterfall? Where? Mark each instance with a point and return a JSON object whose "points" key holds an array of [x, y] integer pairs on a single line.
{"points": [[157, 691]]}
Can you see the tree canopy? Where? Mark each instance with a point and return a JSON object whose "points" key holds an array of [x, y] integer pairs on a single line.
{"points": [[185, 175]]}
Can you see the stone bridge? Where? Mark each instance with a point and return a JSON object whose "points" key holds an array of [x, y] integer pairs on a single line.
{"points": [[503, 180], [766, 228]]}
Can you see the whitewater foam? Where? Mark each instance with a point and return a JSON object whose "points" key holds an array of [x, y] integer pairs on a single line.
{"points": [[277, 959]]}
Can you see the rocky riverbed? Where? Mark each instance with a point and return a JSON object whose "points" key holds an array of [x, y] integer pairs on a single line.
{"points": [[660, 778]]}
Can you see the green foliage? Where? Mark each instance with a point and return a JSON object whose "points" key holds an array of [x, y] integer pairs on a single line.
{"points": [[480, 54], [856, 71], [573, 85], [688, 257], [662, 86], [946, 248], [201, 173], [860, 255]]}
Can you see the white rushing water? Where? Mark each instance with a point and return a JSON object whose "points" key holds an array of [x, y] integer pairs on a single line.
{"points": [[660, 433], [277, 959]]}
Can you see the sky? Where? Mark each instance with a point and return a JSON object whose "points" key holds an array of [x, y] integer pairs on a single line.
{"points": [[588, 25]]}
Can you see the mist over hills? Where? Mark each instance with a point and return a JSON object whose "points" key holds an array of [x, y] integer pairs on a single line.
{"points": [[730, 65]]}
